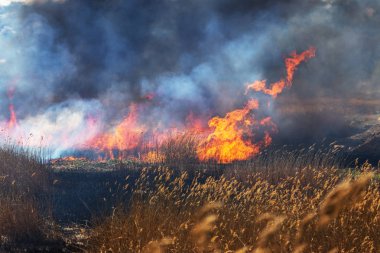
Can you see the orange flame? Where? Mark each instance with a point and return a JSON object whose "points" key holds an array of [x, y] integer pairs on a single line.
{"points": [[238, 135], [195, 125], [226, 143], [125, 136], [67, 159], [12, 117], [291, 64], [232, 137], [12, 122], [153, 157], [131, 137]]}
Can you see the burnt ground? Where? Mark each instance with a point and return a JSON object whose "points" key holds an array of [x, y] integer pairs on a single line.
{"points": [[86, 189], [83, 192]]}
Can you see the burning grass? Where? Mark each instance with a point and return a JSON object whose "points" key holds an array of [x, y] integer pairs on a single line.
{"points": [[313, 210]]}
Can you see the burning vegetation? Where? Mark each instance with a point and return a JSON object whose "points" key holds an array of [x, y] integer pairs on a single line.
{"points": [[171, 126], [237, 136]]}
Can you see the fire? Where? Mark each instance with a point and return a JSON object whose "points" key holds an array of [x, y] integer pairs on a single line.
{"points": [[291, 65], [12, 117], [133, 137], [195, 125], [294, 60], [239, 135], [125, 136], [152, 157], [232, 138], [12, 122], [227, 142], [67, 159]]}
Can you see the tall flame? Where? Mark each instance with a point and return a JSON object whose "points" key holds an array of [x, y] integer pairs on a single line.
{"points": [[291, 65], [12, 122], [232, 138], [125, 136], [226, 143], [238, 135]]}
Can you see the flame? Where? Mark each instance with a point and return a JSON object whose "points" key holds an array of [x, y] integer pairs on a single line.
{"points": [[125, 136], [227, 143], [153, 157], [232, 138], [67, 159], [292, 62], [291, 65], [195, 125], [12, 122], [238, 135], [131, 138]]}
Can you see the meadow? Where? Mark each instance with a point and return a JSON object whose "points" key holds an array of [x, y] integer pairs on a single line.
{"points": [[281, 201]]}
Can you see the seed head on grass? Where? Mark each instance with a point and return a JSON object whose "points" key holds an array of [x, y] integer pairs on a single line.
{"points": [[342, 196]]}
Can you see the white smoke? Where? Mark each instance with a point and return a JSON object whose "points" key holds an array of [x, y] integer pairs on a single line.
{"points": [[62, 127], [9, 2]]}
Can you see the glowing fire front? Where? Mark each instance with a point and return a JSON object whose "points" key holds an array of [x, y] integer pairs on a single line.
{"points": [[12, 114], [239, 135], [125, 136], [226, 143], [234, 136]]}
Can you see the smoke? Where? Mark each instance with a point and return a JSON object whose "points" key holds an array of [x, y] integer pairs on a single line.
{"points": [[80, 59], [8, 2]]}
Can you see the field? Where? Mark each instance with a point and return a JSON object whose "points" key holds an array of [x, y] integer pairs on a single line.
{"points": [[204, 126], [281, 201]]}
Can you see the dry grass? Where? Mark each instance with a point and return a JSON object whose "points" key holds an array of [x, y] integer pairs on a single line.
{"points": [[180, 149], [311, 210], [300, 201], [24, 198]]}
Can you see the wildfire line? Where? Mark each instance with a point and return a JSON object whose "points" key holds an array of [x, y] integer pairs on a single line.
{"points": [[233, 137]]}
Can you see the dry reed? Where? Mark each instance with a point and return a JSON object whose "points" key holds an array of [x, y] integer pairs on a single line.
{"points": [[307, 211]]}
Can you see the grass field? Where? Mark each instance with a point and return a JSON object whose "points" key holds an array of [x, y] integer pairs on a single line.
{"points": [[281, 201]]}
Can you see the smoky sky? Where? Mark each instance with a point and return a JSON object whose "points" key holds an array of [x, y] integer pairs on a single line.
{"points": [[119, 43], [192, 55]]}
